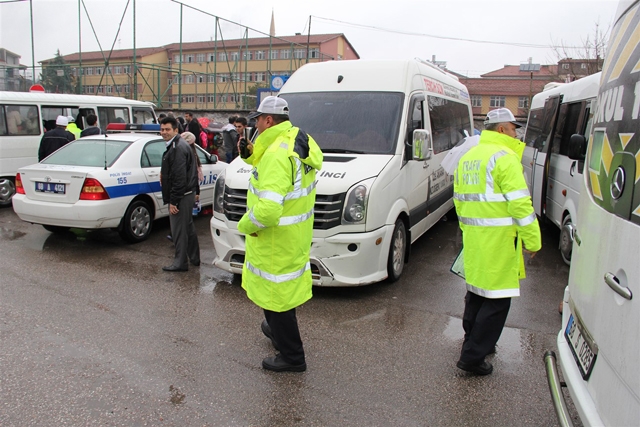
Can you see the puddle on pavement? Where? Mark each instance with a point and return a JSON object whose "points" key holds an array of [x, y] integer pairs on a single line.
{"points": [[6, 234]]}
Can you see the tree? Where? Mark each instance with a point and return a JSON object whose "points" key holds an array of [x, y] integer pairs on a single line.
{"points": [[57, 76], [580, 61]]}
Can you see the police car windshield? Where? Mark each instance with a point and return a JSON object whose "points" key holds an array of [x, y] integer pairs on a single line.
{"points": [[88, 152], [353, 122]]}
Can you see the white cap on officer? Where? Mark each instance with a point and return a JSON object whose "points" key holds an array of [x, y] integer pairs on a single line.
{"points": [[501, 115], [271, 105], [62, 121]]}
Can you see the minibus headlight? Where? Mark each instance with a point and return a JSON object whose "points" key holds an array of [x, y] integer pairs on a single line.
{"points": [[355, 208], [218, 194]]}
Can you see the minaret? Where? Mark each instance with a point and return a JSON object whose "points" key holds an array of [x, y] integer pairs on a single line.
{"points": [[272, 30]]}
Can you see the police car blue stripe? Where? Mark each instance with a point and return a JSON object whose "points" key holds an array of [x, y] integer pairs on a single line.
{"points": [[132, 189]]}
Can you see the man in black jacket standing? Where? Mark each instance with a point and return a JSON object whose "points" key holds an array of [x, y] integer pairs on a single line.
{"points": [[179, 180], [55, 138]]}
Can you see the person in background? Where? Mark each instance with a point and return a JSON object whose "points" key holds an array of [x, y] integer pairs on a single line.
{"points": [[497, 222], [72, 127], [91, 129], [241, 127], [193, 125], [32, 124], [179, 182], [181, 124], [230, 139], [55, 138], [14, 120], [278, 227]]}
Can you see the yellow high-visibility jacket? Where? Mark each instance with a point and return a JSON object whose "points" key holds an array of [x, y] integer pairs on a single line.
{"points": [[276, 274], [495, 214], [74, 129]]}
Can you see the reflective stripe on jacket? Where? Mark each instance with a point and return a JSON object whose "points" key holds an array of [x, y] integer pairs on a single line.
{"points": [[495, 214], [276, 274]]}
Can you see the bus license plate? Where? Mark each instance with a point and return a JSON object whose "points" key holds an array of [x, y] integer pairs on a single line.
{"points": [[50, 187], [583, 354]]}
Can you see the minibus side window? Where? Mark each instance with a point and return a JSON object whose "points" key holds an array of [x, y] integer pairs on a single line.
{"points": [[570, 126], [51, 112], [449, 120], [21, 120], [143, 115], [108, 115], [534, 128], [3, 122]]}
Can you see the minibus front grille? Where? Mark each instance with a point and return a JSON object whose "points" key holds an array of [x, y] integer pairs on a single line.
{"points": [[327, 209]]}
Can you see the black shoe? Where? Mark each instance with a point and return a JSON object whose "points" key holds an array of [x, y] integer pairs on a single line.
{"points": [[169, 237], [197, 263], [266, 330], [172, 268], [277, 364], [485, 368], [493, 350]]}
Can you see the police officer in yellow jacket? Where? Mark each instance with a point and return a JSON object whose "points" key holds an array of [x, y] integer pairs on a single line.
{"points": [[496, 218], [278, 226]]}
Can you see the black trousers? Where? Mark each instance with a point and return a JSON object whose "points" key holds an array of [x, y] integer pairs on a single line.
{"points": [[483, 321], [183, 233], [284, 328]]}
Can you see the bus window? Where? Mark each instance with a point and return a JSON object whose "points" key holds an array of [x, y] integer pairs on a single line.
{"points": [[534, 128], [20, 120], [143, 115], [3, 123], [108, 115], [51, 112]]}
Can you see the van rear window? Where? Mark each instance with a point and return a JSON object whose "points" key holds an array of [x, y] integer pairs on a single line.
{"points": [[363, 122]]}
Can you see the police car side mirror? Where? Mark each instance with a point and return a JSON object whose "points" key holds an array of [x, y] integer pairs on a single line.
{"points": [[422, 146], [577, 147]]}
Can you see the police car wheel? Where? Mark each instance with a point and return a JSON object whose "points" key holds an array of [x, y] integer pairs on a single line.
{"points": [[397, 251], [136, 223], [7, 190]]}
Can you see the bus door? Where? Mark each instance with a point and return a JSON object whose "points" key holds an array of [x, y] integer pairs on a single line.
{"points": [[539, 162]]}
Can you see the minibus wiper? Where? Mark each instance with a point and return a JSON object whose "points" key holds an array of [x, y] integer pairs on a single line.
{"points": [[341, 150]]}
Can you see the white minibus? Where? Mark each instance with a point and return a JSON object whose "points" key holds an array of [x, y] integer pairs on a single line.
{"points": [[599, 340], [384, 128], [26, 116], [556, 115]]}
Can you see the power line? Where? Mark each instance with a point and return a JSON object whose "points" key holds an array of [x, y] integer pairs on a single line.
{"points": [[408, 33]]}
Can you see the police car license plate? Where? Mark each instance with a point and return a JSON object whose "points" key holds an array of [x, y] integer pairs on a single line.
{"points": [[583, 353], [49, 187]]}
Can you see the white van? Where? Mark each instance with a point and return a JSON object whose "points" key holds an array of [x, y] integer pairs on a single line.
{"points": [[384, 127], [599, 342], [554, 179], [26, 116]]}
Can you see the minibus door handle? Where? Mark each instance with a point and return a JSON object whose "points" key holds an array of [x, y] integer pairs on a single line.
{"points": [[612, 281], [572, 171], [426, 164]]}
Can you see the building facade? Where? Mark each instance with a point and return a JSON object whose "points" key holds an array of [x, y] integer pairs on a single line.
{"points": [[11, 78], [203, 75]]}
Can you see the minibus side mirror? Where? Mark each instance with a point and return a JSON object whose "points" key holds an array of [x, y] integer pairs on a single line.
{"points": [[422, 144], [577, 147]]}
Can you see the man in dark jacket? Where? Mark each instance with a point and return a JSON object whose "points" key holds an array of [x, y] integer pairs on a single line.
{"points": [[193, 126], [55, 138], [92, 129], [179, 180]]}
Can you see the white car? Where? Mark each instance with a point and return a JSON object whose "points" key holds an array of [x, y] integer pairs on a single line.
{"points": [[103, 181]]}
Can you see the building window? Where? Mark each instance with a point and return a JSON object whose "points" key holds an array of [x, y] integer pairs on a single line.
{"points": [[497, 101], [476, 101], [300, 53], [99, 70], [200, 57], [127, 69], [523, 102], [200, 78], [188, 99], [314, 53], [274, 54], [223, 78], [583, 66], [109, 89], [222, 56], [201, 99], [211, 98], [211, 57], [188, 78], [285, 54], [89, 71], [234, 56], [247, 55], [212, 78], [100, 89], [565, 66], [259, 54], [117, 69], [176, 59], [259, 77], [189, 58]]}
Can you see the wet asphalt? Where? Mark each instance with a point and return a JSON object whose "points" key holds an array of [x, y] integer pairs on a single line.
{"points": [[94, 333]]}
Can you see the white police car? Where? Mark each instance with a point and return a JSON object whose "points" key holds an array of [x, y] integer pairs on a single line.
{"points": [[104, 181]]}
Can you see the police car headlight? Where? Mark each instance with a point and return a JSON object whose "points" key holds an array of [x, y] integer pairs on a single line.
{"points": [[355, 208], [218, 194]]}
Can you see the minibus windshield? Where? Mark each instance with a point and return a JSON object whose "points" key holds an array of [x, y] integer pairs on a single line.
{"points": [[348, 122]]}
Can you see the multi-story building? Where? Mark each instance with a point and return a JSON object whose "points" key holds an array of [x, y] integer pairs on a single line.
{"points": [[203, 75], [10, 68]]}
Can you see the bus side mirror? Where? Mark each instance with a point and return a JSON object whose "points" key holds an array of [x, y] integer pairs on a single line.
{"points": [[422, 146], [577, 147]]}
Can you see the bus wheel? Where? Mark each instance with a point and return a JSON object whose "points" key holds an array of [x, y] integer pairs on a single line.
{"points": [[566, 239], [136, 223], [397, 251], [7, 190]]}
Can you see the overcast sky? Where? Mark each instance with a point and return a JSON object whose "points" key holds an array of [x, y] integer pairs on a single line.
{"points": [[377, 29]]}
